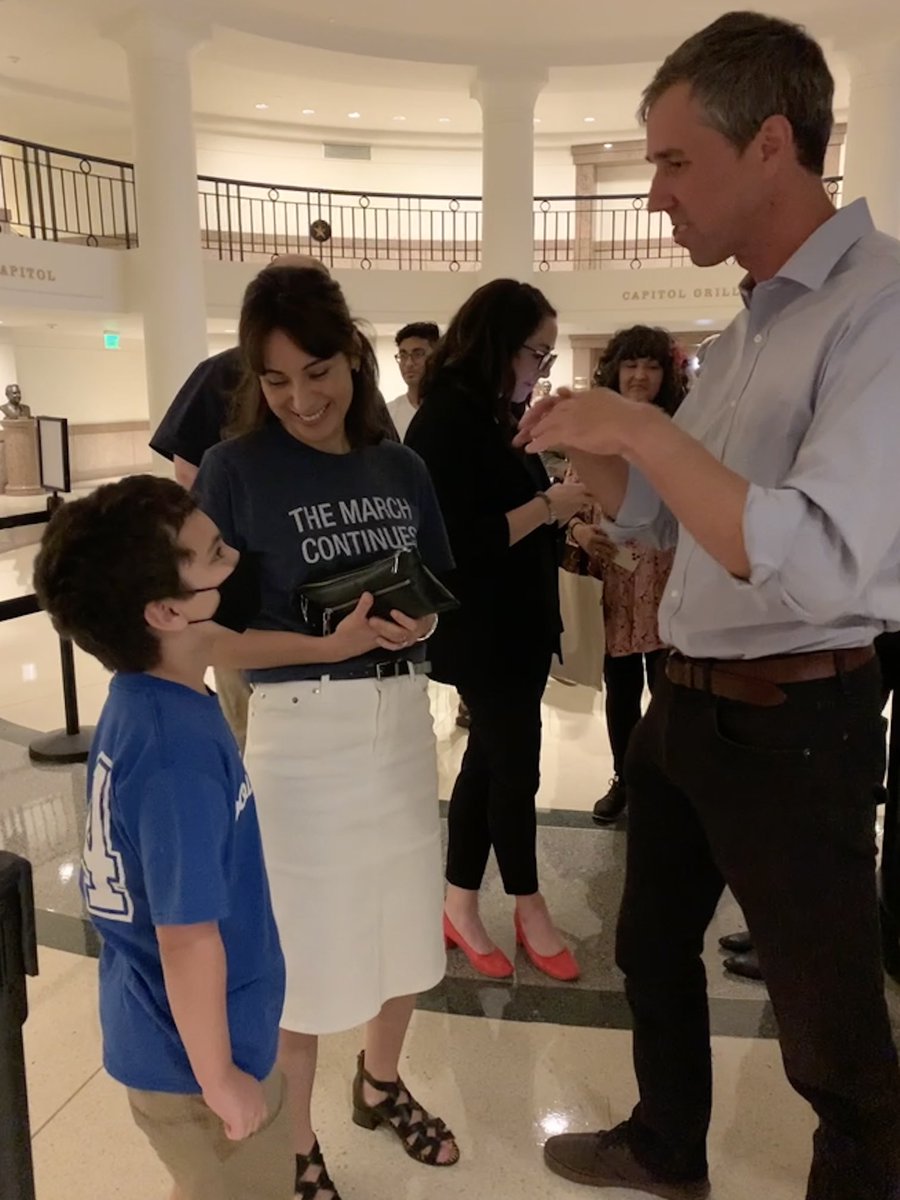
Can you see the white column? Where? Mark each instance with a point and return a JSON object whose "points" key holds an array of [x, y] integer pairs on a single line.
{"points": [[8, 372], [173, 297], [507, 104], [872, 156]]}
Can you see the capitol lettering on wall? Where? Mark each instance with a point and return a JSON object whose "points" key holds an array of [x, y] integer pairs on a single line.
{"points": [[8, 271], [710, 293]]}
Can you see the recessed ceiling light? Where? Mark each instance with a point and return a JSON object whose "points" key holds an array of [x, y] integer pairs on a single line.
{"points": [[537, 120], [399, 118], [703, 321], [444, 120], [354, 116], [607, 145], [261, 106], [309, 112], [589, 120]]}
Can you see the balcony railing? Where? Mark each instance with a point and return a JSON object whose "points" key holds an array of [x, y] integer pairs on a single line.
{"points": [[585, 233], [60, 196], [371, 230], [55, 195]]}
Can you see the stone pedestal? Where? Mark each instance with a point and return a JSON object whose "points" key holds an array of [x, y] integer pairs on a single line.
{"points": [[23, 474]]}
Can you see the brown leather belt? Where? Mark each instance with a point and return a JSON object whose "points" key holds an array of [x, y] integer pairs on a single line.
{"points": [[757, 680]]}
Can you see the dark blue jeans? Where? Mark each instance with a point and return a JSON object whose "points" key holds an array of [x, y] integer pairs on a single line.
{"points": [[779, 803]]}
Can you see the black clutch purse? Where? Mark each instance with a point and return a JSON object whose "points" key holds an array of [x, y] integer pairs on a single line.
{"points": [[401, 582]]}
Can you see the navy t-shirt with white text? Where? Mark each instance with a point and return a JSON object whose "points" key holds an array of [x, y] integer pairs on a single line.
{"points": [[311, 516]]}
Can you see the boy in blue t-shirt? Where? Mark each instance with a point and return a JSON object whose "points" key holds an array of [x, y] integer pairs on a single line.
{"points": [[191, 970]]}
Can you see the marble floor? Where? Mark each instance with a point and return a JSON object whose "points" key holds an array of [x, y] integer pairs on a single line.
{"points": [[503, 1086], [506, 1064]]}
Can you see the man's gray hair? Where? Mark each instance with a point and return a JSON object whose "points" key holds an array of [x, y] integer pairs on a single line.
{"points": [[747, 67]]}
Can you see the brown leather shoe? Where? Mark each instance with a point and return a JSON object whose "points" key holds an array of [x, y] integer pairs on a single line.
{"points": [[605, 1160]]}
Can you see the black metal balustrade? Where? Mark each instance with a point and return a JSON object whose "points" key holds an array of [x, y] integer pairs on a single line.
{"points": [[607, 232], [600, 232], [243, 221], [56, 195]]}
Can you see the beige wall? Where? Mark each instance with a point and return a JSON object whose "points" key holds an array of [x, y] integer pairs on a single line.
{"points": [[62, 375]]}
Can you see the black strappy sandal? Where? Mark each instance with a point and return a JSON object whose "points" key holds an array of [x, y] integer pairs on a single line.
{"points": [[313, 1189], [422, 1135]]}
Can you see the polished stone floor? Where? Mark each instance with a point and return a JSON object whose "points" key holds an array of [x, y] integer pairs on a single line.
{"points": [[503, 1086]]}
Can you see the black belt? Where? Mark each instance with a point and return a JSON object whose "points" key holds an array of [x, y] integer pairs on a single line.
{"points": [[395, 668]]}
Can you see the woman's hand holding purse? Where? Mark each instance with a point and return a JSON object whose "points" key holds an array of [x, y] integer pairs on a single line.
{"points": [[402, 632], [359, 633]]}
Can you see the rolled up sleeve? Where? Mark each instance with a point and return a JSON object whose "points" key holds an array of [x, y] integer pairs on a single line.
{"points": [[824, 534], [642, 516]]}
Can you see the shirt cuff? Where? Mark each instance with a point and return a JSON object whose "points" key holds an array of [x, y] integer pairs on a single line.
{"points": [[639, 510], [772, 517]]}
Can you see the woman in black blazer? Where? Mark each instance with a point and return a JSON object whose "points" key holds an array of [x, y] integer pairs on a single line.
{"points": [[503, 518]]}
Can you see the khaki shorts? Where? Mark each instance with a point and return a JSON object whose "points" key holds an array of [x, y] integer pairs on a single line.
{"points": [[234, 697], [190, 1141]]}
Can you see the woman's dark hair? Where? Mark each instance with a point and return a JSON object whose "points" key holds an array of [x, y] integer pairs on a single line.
{"points": [[642, 341], [104, 558], [484, 337], [309, 308]]}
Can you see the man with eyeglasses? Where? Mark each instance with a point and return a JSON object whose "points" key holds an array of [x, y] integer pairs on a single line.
{"points": [[414, 346]]}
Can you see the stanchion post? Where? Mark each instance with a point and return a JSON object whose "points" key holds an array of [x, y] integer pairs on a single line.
{"points": [[18, 958], [72, 744]]}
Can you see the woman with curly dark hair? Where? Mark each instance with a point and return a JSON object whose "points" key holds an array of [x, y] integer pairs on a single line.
{"points": [[647, 365]]}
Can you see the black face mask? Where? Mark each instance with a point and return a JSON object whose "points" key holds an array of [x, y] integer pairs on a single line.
{"points": [[239, 596]]}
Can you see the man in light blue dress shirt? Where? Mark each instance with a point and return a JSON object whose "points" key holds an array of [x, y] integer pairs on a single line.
{"points": [[761, 756]]}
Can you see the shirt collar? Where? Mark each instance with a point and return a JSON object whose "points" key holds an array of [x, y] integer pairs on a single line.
{"points": [[812, 264]]}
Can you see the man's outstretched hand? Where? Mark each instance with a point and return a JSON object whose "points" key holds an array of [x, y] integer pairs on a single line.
{"points": [[599, 422]]}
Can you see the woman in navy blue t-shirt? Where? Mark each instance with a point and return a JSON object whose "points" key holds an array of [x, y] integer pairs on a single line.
{"points": [[341, 746]]}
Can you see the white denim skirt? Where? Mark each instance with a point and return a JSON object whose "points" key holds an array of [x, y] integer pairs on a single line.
{"points": [[345, 777]]}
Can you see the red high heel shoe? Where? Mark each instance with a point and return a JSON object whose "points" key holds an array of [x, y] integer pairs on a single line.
{"points": [[561, 966], [495, 965]]}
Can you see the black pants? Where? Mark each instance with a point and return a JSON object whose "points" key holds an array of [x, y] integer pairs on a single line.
{"points": [[888, 647], [779, 803], [624, 679], [493, 798]]}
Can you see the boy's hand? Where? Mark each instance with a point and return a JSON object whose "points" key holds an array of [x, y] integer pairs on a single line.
{"points": [[239, 1101]]}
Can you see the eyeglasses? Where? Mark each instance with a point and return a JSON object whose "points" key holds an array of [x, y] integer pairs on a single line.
{"points": [[415, 356], [546, 359]]}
